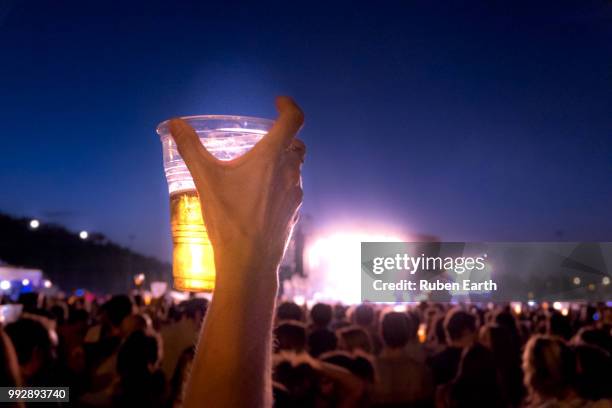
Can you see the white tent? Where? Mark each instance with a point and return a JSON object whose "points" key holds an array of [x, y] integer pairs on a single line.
{"points": [[13, 273]]}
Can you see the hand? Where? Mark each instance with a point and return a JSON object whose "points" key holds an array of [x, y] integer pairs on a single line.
{"points": [[249, 204]]}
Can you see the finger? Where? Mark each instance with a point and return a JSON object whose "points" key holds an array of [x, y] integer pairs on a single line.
{"points": [[290, 120], [189, 145], [297, 144], [297, 148]]}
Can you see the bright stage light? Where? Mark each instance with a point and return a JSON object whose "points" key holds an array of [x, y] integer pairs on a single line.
{"points": [[47, 283], [83, 234], [576, 280], [5, 285], [606, 280], [557, 306], [25, 282], [34, 224], [334, 264]]}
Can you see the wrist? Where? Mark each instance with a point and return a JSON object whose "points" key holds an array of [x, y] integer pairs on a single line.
{"points": [[243, 276]]}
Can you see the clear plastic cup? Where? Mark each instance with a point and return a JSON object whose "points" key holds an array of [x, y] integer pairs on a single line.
{"points": [[225, 137]]}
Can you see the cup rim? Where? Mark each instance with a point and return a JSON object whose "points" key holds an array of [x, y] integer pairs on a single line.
{"points": [[164, 124]]}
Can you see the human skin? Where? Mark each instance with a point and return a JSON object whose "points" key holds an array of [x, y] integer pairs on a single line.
{"points": [[250, 207]]}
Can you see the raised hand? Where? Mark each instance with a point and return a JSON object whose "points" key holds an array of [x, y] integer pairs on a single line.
{"points": [[249, 204]]}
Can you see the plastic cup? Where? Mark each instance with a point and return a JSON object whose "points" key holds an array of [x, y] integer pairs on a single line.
{"points": [[226, 138]]}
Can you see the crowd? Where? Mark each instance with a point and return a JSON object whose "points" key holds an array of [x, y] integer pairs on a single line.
{"points": [[123, 351]]}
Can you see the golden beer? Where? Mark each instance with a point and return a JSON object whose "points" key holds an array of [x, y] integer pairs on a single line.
{"points": [[226, 138], [193, 261]]}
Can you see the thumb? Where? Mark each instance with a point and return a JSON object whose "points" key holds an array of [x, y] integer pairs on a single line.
{"points": [[189, 145]]}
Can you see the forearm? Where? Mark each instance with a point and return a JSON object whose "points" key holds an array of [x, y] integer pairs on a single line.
{"points": [[232, 362]]}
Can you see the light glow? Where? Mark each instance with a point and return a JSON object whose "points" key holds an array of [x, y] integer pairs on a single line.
{"points": [[83, 234], [243, 130], [5, 285], [47, 283], [139, 279], [25, 282], [34, 224], [334, 263], [422, 333]]}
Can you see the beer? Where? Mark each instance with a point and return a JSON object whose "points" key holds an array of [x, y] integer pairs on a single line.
{"points": [[225, 137], [193, 263]]}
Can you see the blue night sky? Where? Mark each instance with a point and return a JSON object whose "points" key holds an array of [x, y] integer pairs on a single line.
{"points": [[491, 121]]}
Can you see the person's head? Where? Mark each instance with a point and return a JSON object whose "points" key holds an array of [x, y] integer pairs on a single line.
{"points": [[504, 317], [364, 315], [339, 312], [595, 337], [495, 337], [395, 329], [559, 325], [593, 372], [290, 335], [477, 365], [354, 338], [31, 301], [59, 313], [549, 367], [321, 341], [321, 314], [289, 311], [477, 383], [460, 328], [300, 381], [507, 355], [115, 310], [138, 356], [10, 375], [359, 365], [33, 345]]}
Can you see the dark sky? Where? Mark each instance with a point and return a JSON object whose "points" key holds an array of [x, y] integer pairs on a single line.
{"points": [[484, 122]]}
